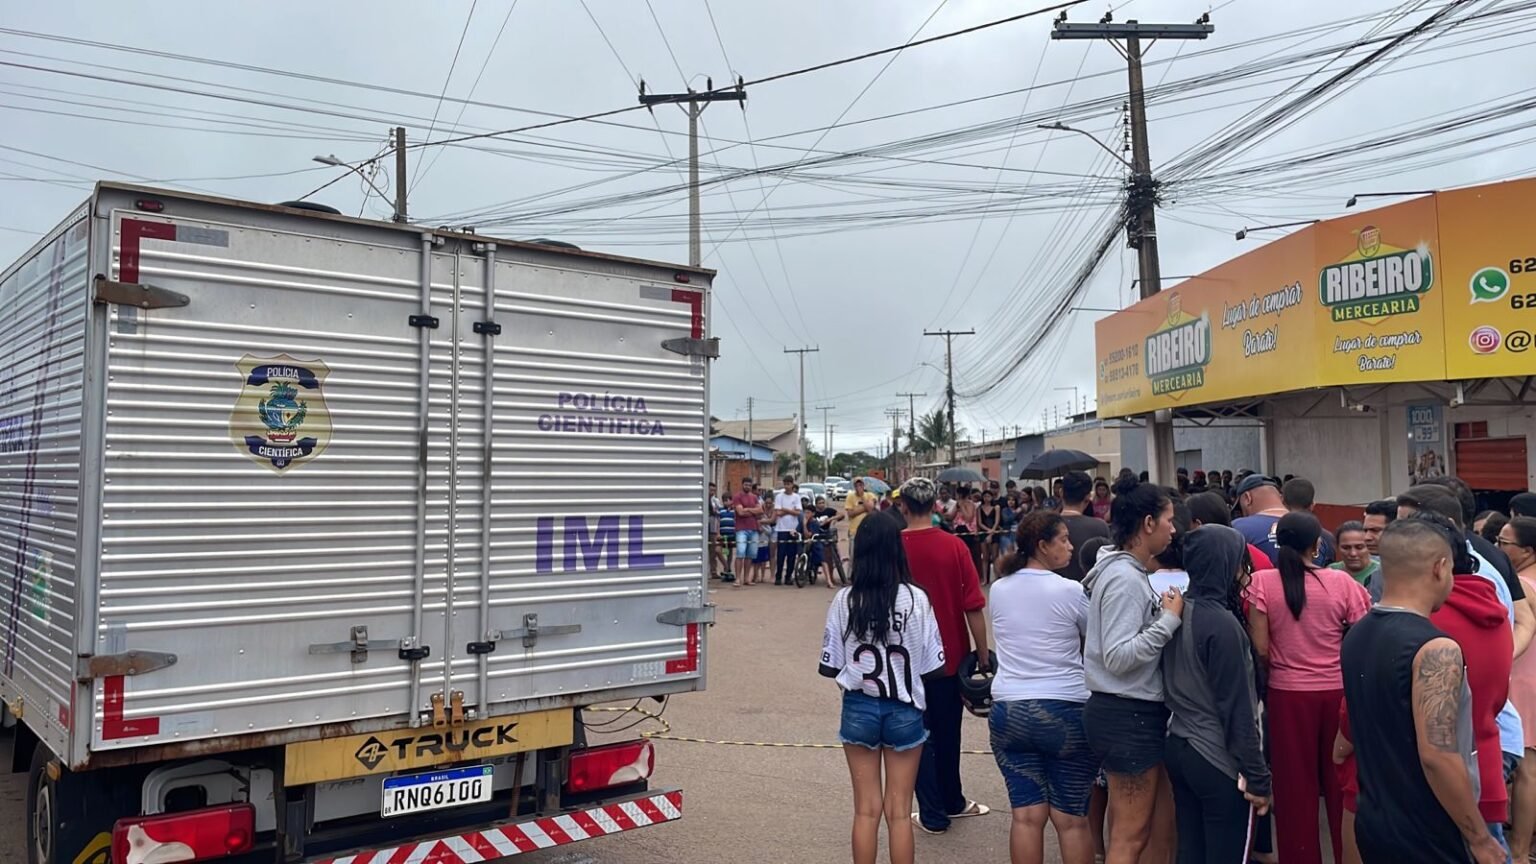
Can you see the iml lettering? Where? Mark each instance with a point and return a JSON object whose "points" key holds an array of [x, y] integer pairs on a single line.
{"points": [[593, 545]]}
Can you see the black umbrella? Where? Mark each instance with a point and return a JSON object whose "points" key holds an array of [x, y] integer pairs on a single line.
{"points": [[960, 475], [1053, 463]]}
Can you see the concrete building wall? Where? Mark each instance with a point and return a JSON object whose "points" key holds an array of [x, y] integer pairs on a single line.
{"points": [[1340, 455]]}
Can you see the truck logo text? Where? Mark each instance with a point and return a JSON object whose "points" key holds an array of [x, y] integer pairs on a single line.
{"points": [[373, 752]]}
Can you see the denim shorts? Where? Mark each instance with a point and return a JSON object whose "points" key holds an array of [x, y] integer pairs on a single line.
{"points": [[1042, 749], [875, 723], [746, 545]]}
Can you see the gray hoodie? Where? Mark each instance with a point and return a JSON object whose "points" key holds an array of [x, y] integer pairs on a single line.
{"points": [[1127, 629]]}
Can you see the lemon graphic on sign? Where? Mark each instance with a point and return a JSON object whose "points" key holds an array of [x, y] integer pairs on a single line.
{"points": [[1489, 284]]}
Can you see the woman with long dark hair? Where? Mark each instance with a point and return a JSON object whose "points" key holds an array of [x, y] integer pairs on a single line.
{"points": [[1038, 621], [881, 640], [1127, 626], [1297, 622]]}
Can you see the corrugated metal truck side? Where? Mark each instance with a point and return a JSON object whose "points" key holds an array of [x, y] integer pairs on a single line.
{"points": [[324, 531]]}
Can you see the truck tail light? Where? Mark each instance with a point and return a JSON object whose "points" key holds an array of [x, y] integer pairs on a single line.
{"points": [[195, 835], [611, 765]]}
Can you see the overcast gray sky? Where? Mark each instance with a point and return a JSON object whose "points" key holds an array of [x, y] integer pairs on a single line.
{"points": [[857, 255]]}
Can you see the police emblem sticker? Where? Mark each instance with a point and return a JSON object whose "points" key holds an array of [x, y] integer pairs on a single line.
{"points": [[280, 420]]}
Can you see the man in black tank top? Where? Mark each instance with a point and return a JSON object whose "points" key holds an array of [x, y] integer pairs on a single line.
{"points": [[1410, 711]]}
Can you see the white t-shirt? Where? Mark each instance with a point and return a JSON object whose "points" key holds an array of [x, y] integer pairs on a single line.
{"points": [[1038, 622], [787, 501], [1162, 580], [895, 669]]}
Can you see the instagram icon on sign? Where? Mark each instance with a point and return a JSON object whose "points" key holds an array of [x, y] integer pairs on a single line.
{"points": [[1485, 340]]}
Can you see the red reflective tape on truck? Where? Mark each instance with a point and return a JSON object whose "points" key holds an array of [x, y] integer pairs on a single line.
{"points": [[695, 301], [690, 662], [134, 230], [113, 725], [504, 841]]}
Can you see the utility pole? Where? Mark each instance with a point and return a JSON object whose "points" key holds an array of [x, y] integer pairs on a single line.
{"points": [[399, 174], [751, 445], [1142, 191], [949, 379], [802, 352], [826, 433], [695, 103], [895, 415], [911, 413]]}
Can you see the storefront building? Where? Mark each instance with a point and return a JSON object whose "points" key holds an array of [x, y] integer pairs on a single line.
{"points": [[1371, 349]]}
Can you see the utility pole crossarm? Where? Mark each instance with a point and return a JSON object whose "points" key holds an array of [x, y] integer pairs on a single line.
{"points": [[1128, 29]]}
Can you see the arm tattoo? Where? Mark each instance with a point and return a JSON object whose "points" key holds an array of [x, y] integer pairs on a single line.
{"points": [[1437, 692]]}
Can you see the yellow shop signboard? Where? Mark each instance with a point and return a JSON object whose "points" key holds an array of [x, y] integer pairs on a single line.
{"points": [[1438, 288], [1489, 237]]}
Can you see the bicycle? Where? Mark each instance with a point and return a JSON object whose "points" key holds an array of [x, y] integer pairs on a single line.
{"points": [[804, 572]]}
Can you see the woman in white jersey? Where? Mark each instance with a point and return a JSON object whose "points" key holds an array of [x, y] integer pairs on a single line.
{"points": [[1038, 621], [881, 640]]}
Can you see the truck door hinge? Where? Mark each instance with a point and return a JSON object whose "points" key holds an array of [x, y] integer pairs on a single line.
{"points": [[358, 646], [529, 632], [137, 294], [428, 321], [127, 663], [694, 347], [487, 328]]}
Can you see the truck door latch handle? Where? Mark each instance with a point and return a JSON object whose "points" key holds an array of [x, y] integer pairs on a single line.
{"points": [[529, 632], [358, 646]]}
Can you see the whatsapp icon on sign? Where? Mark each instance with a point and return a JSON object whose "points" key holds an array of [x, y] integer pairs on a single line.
{"points": [[1489, 284]]}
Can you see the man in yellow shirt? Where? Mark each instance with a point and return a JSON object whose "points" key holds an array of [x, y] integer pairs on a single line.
{"points": [[858, 505]]}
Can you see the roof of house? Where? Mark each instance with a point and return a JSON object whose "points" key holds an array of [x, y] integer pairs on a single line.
{"points": [[763, 429], [726, 444]]}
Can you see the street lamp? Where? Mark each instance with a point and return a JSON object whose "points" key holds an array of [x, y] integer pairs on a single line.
{"points": [[357, 169], [1062, 127], [1245, 231], [1355, 199]]}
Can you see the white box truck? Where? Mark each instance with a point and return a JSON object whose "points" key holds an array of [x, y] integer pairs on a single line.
{"points": [[322, 533]]}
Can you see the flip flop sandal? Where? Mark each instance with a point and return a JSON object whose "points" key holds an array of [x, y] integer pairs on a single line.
{"points": [[918, 823], [972, 808]]}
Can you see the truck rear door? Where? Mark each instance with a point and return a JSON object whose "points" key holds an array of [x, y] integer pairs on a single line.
{"points": [[589, 576]]}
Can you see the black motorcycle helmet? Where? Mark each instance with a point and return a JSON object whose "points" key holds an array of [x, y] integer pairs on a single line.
{"points": [[975, 686]]}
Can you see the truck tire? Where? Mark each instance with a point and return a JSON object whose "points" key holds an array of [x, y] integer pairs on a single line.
{"points": [[42, 811]]}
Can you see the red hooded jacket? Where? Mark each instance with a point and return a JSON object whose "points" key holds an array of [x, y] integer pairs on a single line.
{"points": [[1474, 617]]}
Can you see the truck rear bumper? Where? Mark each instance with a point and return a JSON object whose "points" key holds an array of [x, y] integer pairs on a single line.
{"points": [[514, 837]]}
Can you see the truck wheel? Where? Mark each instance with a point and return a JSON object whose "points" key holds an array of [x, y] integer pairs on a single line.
{"points": [[42, 811]]}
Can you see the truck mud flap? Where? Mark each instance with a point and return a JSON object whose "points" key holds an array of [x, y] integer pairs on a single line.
{"points": [[517, 836]]}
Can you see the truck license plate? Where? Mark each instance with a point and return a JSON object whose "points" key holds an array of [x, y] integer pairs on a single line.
{"points": [[418, 793]]}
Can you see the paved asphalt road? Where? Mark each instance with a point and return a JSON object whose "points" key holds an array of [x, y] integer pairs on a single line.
{"points": [[759, 804]]}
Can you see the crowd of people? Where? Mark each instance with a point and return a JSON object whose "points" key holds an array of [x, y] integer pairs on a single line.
{"points": [[1192, 673]]}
